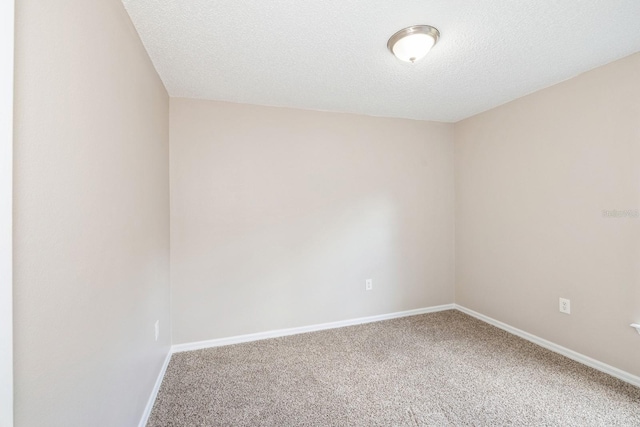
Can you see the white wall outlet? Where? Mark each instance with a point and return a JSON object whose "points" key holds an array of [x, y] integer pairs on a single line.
{"points": [[157, 329], [565, 306], [368, 284]]}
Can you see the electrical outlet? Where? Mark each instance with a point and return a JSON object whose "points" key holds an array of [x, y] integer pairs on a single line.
{"points": [[565, 306], [157, 329], [368, 284]]}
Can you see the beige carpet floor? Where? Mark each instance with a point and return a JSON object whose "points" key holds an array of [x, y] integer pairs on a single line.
{"points": [[440, 369]]}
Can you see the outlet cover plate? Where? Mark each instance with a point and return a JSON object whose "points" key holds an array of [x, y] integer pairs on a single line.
{"points": [[565, 306]]}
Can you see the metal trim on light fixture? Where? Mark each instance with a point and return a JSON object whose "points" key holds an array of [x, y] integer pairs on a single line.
{"points": [[414, 29]]}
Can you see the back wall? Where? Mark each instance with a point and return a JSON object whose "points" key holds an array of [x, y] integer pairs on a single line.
{"points": [[278, 216]]}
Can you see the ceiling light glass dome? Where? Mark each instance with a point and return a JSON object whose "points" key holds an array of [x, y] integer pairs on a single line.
{"points": [[413, 43]]}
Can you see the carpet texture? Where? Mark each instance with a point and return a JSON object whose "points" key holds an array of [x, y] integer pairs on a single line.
{"points": [[440, 369]]}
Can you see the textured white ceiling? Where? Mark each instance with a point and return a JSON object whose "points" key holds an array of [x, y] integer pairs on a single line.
{"points": [[332, 54]]}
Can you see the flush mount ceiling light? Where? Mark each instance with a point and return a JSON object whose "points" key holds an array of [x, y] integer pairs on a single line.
{"points": [[413, 43]]}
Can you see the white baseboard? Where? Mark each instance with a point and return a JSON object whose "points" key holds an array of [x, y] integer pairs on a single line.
{"points": [[303, 329], [585, 360], [154, 392]]}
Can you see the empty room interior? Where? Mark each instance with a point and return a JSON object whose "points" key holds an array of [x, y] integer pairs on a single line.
{"points": [[337, 213]]}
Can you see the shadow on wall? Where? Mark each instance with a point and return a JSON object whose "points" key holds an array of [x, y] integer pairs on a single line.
{"points": [[309, 265]]}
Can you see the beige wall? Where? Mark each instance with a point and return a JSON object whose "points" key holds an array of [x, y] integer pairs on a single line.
{"points": [[91, 216], [278, 217], [532, 180]]}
